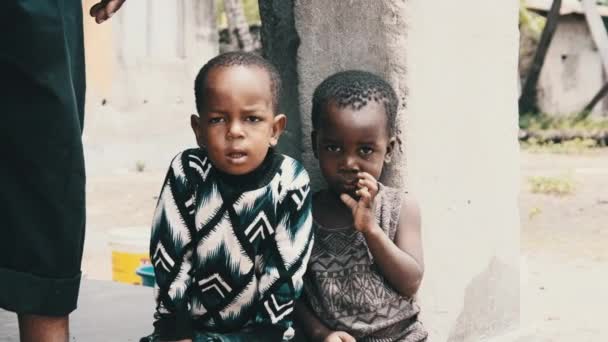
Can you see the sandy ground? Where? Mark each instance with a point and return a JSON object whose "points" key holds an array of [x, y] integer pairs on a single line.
{"points": [[564, 245], [565, 249]]}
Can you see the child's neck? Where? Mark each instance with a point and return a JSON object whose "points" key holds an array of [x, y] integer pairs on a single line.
{"points": [[236, 184], [330, 212]]}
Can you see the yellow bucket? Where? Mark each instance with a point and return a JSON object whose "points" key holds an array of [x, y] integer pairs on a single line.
{"points": [[129, 248]]}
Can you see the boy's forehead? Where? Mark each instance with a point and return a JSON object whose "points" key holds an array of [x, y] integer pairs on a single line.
{"points": [[346, 122], [238, 74], [371, 114], [238, 81]]}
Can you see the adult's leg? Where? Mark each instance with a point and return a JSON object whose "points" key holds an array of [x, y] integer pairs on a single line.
{"points": [[34, 328], [42, 169]]}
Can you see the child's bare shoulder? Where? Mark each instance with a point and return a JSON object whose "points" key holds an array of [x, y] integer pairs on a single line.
{"points": [[410, 206]]}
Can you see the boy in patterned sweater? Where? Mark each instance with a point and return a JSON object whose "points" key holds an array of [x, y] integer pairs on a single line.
{"points": [[232, 232]]}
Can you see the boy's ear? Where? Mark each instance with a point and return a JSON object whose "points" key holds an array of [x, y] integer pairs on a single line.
{"points": [[195, 123], [278, 126], [390, 149], [313, 138]]}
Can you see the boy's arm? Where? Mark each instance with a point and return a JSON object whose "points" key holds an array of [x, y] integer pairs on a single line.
{"points": [[310, 324], [401, 262], [171, 251], [315, 329], [284, 264]]}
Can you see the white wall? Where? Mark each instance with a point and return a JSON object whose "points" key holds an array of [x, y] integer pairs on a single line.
{"points": [[143, 62], [464, 162], [161, 43]]}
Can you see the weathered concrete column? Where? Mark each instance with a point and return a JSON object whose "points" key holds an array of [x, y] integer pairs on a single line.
{"points": [[459, 126], [341, 35], [280, 46]]}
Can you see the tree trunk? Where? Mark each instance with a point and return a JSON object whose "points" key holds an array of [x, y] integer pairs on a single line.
{"points": [[527, 100], [237, 24]]}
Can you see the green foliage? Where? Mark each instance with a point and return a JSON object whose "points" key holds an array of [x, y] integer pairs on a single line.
{"points": [[252, 12], [140, 166], [558, 186], [536, 122], [574, 146], [530, 21], [575, 136], [535, 211]]}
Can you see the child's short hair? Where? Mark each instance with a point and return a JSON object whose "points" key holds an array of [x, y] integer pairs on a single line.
{"points": [[235, 58], [354, 88]]}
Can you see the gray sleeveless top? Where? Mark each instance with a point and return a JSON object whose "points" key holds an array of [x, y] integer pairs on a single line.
{"points": [[346, 290]]}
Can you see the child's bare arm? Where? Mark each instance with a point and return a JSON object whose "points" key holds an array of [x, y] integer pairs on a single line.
{"points": [[315, 329], [311, 325], [401, 261]]}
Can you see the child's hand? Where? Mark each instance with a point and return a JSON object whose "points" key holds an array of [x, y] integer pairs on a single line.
{"points": [[363, 210], [339, 336]]}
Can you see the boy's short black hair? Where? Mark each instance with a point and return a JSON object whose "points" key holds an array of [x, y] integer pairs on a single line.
{"points": [[235, 58], [354, 88]]}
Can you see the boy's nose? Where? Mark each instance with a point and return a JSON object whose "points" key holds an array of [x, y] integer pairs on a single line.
{"points": [[349, 163], [235, 130]]}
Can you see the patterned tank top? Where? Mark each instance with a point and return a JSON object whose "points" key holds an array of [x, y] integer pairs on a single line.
{"points": [[346, 290]]}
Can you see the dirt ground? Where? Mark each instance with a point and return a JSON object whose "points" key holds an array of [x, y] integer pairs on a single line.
{"points": [[564, 240], [564, 248]]}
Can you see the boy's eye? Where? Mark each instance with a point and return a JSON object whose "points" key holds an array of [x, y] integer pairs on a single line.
{"points": [[333, 148], [216, 119], [253, 118], [366, 150]]}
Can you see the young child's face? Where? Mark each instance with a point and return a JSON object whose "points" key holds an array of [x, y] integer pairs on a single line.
{"points": [[349, 141], [237, 125]]}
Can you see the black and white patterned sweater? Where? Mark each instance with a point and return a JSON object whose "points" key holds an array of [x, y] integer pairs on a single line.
{"points": [[229, 252]]}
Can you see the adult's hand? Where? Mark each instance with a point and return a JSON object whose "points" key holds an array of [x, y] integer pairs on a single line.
{"points": [[105, 9]]}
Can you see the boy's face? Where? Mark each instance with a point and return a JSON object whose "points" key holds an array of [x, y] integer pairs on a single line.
{"points": [[349, 141], [237, 125]]}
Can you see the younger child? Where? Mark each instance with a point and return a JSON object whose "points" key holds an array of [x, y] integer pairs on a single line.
{"points": [[366, 264], [232, 232]]}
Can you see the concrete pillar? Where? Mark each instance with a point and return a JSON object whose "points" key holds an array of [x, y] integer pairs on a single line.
{"points": [[280, 43], [345, 35], [458, 121]]}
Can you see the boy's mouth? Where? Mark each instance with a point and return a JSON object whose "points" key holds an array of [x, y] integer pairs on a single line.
{"points": [[236, 156], [349, 186], [350, 180]]}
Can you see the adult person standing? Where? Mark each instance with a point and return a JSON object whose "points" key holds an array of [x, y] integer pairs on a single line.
{"points": [[42, 173]]}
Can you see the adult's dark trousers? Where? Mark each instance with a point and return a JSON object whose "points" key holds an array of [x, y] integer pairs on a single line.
{"points": [[42, 175]]}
